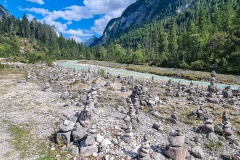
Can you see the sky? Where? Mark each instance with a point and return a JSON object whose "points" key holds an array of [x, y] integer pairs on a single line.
{"points": [[77, 19]]}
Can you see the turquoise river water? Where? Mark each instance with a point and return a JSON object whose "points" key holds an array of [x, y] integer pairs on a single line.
{"points": [[124, 72]]}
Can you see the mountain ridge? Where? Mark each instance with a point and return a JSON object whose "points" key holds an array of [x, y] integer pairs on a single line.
{"points": [[4, 12], [141, 12]]}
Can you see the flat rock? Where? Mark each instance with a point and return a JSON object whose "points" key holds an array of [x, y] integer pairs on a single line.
{"points": [[176, 153], [176, 141], [158, 156], [66, 126], [88, 150]]}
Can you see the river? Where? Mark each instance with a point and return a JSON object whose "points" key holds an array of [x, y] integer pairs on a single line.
{"points": [[123, 72]]}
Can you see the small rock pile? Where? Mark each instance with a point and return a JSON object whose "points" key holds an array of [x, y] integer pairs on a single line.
{"points": [[212, 89], [143, 151], [224, 128], [128, 136], [208, 126], [227, 92], [174, 116], [141, 96], [200, 113], [177, 150]]}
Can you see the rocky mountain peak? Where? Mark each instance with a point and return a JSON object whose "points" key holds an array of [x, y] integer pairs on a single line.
{"points": [[141, 12], [4, 12]]}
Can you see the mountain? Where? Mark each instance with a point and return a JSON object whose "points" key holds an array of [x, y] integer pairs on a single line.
{"points": [[4, 12], [197, 35], [89, 41], [142, 12]]}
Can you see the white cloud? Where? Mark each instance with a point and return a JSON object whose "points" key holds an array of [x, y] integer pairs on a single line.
{"points": [[5, 3], [111, 9], [107, 8], [77, 39], [101, 23], [69, 22], [41, 11], [77, 32], [30, 17], [36, 1]]}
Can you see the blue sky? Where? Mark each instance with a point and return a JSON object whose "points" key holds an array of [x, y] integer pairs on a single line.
{"points": [[78, 19]]}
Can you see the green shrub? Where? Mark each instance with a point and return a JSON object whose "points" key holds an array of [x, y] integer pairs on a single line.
{"points": [[101, 72]]}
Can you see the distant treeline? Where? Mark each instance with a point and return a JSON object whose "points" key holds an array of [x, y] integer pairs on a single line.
{"points": [[206, 36]]}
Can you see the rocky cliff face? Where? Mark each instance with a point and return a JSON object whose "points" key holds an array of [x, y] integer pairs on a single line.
{"points": [[4, 12], [140, 12], [89, 41]]}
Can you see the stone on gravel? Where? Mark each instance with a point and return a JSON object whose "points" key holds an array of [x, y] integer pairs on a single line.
{"points": [[89, 141], [176, 153], [99, 138], [66, 126], [78, 134], [176, 141], [198, 152], [103, 145], [88, 151], [158, 156]]}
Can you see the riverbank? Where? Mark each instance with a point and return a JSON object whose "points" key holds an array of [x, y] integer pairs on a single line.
{"points": [[169, 72]]}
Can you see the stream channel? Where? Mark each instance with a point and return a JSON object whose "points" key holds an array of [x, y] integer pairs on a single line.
{"points": [[126, 73]]}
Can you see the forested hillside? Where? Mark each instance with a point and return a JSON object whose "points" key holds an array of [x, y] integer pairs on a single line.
{"points": [[32, 41], [205, 36]]}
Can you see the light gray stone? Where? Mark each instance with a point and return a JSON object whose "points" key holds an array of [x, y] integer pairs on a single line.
{"points": [[198, 152], [88, 150], [89, 141], [176, 141]]}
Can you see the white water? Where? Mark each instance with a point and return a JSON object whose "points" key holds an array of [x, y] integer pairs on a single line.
{"points": [[123, 72]]}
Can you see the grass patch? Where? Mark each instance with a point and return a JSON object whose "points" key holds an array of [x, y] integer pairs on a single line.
{"points": [[101, 72], [213, 145], [75, 82], [7, 71], [21, 139]]}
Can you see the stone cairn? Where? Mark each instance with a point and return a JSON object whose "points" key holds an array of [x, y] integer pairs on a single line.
{"points": [[143, 151], [200, 113], [130, 114], [128, 136], [224, 128], [208, 126], [174, 117], [28, 76], [177, 150], [141, 96], [227, 92], [123, 89], [212, 89], [64, 133], [47, 87], [131, 111]]}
